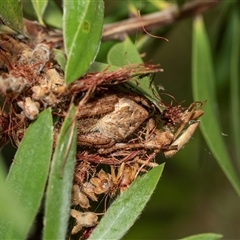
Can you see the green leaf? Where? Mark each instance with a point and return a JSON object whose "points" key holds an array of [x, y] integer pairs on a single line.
{"points": [[28, 175], [11, 14], [53, 15], [39, 7], [126, 209], [82, 29], [60, 57], [100, 67], [15, 213], [60, 180], [204, 88], [126, 53], [204, 236]]}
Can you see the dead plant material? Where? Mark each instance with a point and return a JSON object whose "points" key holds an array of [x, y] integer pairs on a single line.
{"points": [[118, 133]]}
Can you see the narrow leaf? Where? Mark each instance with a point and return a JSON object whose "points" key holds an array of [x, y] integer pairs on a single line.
{"points": [[28, 174], [39, 7], [126, 209], [126, 53], [204, 88], [204, 236], [60, 57], [82, 29], [15, 213], [60, 181], [11, 14]]}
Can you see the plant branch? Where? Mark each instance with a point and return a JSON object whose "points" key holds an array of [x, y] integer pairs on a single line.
{"points": [[117, 31], [156, 20]]}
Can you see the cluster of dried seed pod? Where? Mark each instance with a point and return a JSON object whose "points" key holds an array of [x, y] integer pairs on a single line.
{"points": [[49, 88], [83, 220], [87, 191]]}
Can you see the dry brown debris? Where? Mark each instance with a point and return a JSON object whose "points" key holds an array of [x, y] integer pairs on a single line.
{"points": [[118, 129]]}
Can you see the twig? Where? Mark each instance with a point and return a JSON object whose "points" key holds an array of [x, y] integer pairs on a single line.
{"points": [[156, 20], [118, 30]]}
